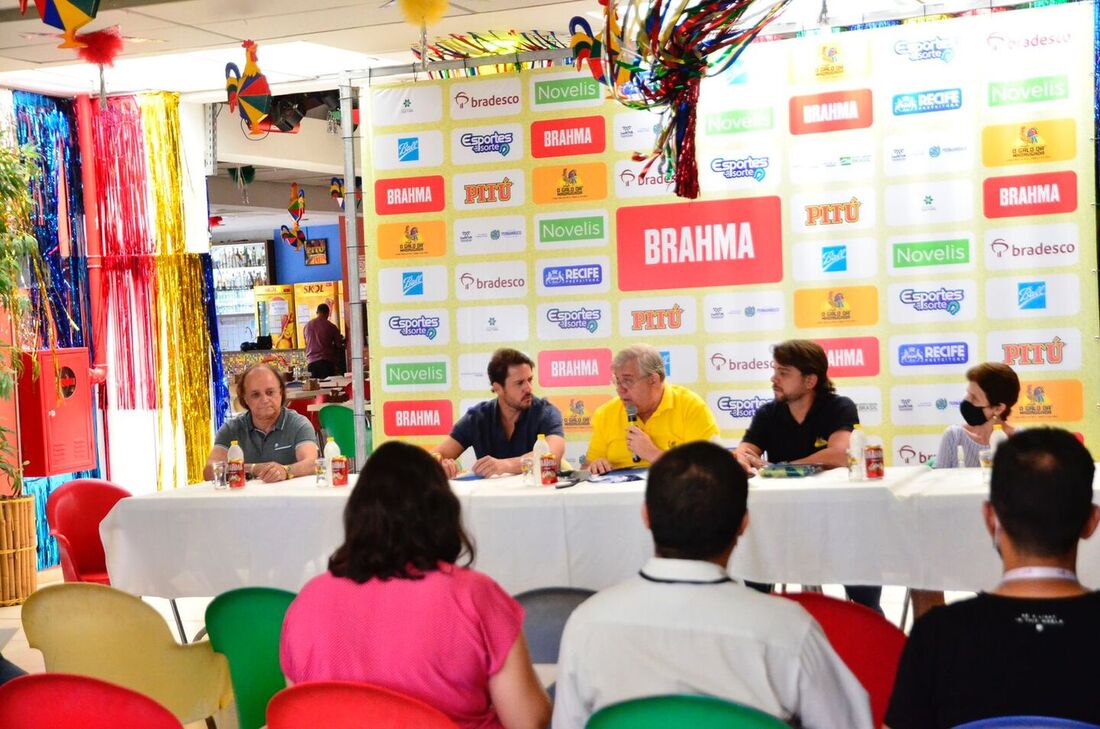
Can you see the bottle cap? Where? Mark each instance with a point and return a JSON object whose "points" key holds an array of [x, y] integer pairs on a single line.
{"points": [[542, 436], [330, 439], [232, 442]]}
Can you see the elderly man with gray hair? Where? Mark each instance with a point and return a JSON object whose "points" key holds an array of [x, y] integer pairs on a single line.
{"points": [[649, 416]]}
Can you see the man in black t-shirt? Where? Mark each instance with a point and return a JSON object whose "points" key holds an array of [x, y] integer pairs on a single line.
{"points": [[806, 423], [1027, 647]]}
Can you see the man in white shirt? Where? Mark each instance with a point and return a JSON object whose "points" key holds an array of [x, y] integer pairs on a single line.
{"points": [[682, 626]]}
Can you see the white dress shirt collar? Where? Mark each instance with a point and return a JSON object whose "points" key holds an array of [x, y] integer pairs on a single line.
{"points": [[659, 569]]}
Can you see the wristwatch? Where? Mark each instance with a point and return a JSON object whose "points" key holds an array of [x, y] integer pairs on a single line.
{"points": [[289, 475]]}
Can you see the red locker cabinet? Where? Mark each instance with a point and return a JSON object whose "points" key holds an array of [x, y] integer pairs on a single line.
{"points": [[55, 412]]}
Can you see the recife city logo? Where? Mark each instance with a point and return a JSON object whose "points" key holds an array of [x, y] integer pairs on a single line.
{"points": [[1031, 295], [924, 102], [415, 326], [941, 299], [494, 142], [412, 283], [737, 168], [555, 276], [926, 49], [933, 353], [408, 149], [579, 318]]}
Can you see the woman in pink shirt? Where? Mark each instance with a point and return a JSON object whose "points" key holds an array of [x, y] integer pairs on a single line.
{"points": [[394, 610]]}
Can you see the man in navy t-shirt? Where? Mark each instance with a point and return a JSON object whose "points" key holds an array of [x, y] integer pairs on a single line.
{"points": [[503, 430]]}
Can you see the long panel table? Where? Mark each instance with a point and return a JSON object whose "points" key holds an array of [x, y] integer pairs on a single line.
{"points": [[917, 527]]}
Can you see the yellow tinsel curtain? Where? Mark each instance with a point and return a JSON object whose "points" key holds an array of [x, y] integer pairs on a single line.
{"points": [[183, 342]]}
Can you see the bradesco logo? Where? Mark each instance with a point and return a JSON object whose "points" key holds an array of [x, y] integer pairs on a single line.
{"points": [[575, 229], [1028, 90], [924, 254], [498, 280], [574, 368], [1049, 400], [915, 450], [738, 121], [1047, 193], [565, 91], [577, 410], [836, 307], [699, 244], [831, 112], [570, 183], [1032, 246], [924, 102], [409, 374], [738, 362], [400, 196], [497, 97], [1002, 41], [568, 137], [417, 417], [851, 356], [425, 239]]}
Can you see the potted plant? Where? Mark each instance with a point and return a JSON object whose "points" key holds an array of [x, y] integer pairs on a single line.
{"points": [[18, 253]]}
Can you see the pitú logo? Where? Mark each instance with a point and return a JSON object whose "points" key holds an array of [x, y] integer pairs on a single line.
{"points": [[412, 283], [415, 326], [836, 213], [834, 259], [741, 407], [655, 319], [1031, 295], [493, 142], [942, 299], [488, 192], [927, 49], [748, 166], [933, 353], [1034, 353], [555, 276], [408, 149], [581, 318], [924, 102]]}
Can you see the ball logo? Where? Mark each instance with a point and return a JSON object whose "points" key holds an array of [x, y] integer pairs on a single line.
{"points": [[1031, 295], [837, 213], [488, 192], [582, 318], [942, 299], [834, 259], [492, 143], [1033, 353], [408, 149], [415, 326], [412, 283]]}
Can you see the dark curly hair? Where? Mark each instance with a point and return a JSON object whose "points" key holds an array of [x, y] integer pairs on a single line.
{"points": [[401, 520]]}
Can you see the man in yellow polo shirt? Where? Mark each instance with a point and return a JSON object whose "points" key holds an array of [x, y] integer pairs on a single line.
{"points": [[667, 415]]}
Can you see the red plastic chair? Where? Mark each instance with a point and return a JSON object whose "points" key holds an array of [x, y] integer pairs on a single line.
{"points": [[74, 512], [62, 700], [869, 644], [302, 408], [348, 705]]}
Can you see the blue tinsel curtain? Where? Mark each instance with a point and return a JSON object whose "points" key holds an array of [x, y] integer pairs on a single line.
{"points": [[217, 372]]}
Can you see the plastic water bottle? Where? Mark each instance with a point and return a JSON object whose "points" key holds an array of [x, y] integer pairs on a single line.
{"points": [[332, 450], [538, 453], [997, 437], [960, 456], [234, 466], [856, 444]]}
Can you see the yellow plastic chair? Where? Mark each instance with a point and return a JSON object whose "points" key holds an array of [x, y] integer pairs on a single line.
{"points": [[99, 631]]}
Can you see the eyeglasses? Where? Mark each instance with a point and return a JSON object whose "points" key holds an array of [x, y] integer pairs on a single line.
{"points": [[625, 382]]}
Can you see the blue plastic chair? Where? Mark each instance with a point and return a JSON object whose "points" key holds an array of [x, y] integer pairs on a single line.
{"points": [[1026, 722]]}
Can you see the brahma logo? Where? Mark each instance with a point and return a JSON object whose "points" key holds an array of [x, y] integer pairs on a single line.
{"points": [[831, 112], [834, 259], [851, 356], [941, 299], [700, 244], [409, 195], [1031, 247], [408, 149], [415, 326], [568, 137], [933, 354], [497, 97], [1000, 41], [1029, 90], [570, 183], [1031, 295], [925, 102], [1047, 193], [1031, 141], [574, 368], [937, 48], [412, 283], [417, 417], [737, 168], [837, 213]]}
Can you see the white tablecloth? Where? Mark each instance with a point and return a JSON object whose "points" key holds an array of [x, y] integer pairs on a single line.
{"points": [[917, 527]]}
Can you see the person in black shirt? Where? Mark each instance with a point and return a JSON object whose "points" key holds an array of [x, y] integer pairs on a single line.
{"points": [[806, 423], [1024, 648]]}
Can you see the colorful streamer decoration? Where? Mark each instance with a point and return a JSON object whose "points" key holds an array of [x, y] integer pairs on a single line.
{"points": [[249, 93], [489, 44], [296, 237], [68, 16], [336, 190], [654, 56]]}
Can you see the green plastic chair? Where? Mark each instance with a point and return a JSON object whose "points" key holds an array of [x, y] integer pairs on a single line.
{"points": [[681, 712], [245, 625], [339, 422]]}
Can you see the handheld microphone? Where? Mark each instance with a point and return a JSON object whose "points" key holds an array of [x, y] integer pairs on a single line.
{"points": [[632, 417]]}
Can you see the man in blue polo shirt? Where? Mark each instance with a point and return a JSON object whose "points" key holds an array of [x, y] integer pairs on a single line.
{"points": [[503, 430]]}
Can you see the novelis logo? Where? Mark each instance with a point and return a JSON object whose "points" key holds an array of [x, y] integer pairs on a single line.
{"points": [[1034, 353], [739, 120], [408, 149], [836, 213], [931, 253], [933, 353], [741, 407], [557, 276], [736, 168], [942, 299], [557, 230], [492, 143], [412, 283], [924, 102], [834, 259], [642, 320], [488, 192], [579, 318], [416, 373], [414, 326], [926, 49], [1028, 90], [1031, 295], [565, 90]]}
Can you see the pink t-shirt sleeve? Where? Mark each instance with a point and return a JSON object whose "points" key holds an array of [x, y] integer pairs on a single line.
{"points": [[501, 619]]}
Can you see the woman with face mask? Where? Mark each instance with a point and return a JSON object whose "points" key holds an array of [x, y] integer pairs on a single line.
{"points": [[991, 391]]}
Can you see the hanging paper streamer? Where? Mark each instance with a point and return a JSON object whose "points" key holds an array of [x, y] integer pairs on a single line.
{"points": [[492, 43], [183, 340], [127, 253], [665, 53], [296, 237], [217, 372], [59, 300]]}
